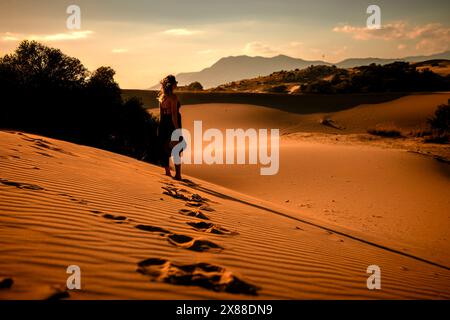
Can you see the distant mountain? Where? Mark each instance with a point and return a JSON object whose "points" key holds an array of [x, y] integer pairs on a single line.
{"points": [[355, 62], [244, 67]]}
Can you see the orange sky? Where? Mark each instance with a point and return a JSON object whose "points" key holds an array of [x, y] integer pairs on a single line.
{"points": [[145, 40]]}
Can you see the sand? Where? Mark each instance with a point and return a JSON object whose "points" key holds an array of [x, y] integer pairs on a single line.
{"points": [[406, 113], [376, 188], [228, 233]]}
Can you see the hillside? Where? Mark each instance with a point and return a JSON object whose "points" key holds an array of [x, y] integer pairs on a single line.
{"points": [[235, 68], [241, 67], [394, 77], [283, 81], [439, 66]]}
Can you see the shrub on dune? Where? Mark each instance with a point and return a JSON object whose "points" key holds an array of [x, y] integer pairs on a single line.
{"points": [[440, 125], [441, 119]]}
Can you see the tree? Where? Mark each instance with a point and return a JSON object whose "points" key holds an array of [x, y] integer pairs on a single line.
{"points": [[441, 119], [35, 65], [47, 92], [195, 86]]}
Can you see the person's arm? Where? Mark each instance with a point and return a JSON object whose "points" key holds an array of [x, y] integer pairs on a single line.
{"points": [[174, 106]]}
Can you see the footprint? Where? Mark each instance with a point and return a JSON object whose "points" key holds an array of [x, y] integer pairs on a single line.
{"points": [[148, 228], [6, 283], [56, 293], [210, 228], [193, 204], [198, 198], [190, 243], [39, 144], [29, 139], [20, 185], [176, 193], [194, 213], [113, 217], [206, 207], [49, 292], [183, 194], [334, 237], [80, 201], [202, 275], [45, 154], [83, 202]]}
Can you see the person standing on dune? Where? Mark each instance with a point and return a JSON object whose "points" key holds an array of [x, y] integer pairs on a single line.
{"points": [[169, 120]]}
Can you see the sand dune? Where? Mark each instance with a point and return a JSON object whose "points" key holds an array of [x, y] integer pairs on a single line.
{"points": [[400, 198], [406, 113], [137, 234], [339, 177]]}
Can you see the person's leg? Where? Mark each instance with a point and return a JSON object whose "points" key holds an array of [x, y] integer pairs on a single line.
{"points": [[165, 158], [178, 166], [178, 172]]}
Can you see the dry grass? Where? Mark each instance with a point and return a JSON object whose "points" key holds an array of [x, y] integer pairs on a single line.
{"points": [[386, 131], [438, 137]]}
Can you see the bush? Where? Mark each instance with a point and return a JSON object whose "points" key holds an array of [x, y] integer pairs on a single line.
{"points": [[278, 89], [440, 126], [394, 77], [438, 137], [195, 86], [47, 92], [441, 119]]}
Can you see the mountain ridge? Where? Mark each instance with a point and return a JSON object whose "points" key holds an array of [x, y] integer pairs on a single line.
{"points": [[233, 68]]}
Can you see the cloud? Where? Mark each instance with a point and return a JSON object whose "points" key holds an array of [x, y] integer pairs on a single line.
{"points": [[8, 36], [68, 36], [181, 32], [428, 37], [390, 31], [257, 48]]}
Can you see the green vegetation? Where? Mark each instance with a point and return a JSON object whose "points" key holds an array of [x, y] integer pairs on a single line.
{"points": [[394, 77], [281, 81], [47, 92]]}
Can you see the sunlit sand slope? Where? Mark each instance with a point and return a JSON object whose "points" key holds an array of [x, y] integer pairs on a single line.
{"points": [[137, 234]]}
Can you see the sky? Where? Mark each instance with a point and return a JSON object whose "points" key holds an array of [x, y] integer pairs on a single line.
{"points": [[146, 40]]}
